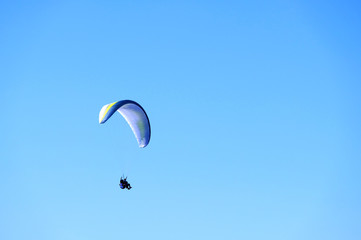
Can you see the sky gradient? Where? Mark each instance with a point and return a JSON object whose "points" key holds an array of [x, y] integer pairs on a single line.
{"points": [[254, 107]]}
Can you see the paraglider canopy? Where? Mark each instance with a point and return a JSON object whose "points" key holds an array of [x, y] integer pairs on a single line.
{"points": [[134, 114]]}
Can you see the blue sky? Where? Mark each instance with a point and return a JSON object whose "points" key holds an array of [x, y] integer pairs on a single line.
{"points": [[254, 107]]}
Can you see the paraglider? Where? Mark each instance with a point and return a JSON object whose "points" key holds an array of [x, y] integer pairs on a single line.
{"points": [[137, 119], [134, 114], [124, 184]]}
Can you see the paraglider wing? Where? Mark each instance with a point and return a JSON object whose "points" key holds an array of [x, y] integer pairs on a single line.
{"points": [[134, 114]]}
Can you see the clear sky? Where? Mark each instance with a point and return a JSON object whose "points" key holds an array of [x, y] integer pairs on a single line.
{"points": [[254, 107]]}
